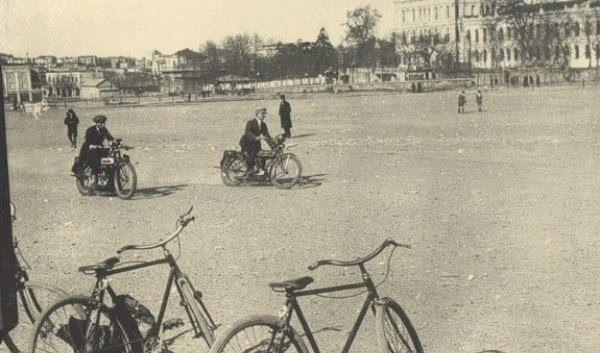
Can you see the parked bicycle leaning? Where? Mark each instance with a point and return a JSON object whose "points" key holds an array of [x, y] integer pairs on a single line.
{"points": [[267, 333], [90, 324]]}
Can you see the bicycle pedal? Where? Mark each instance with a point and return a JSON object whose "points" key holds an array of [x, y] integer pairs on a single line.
{"points": [[173, 323]]}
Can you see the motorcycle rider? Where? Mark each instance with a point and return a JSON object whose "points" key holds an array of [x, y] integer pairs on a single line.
{"points": [[256, 130], [91, 150]]}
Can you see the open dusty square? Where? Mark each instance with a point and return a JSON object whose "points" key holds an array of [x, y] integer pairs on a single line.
{"points": [[501, 207]]}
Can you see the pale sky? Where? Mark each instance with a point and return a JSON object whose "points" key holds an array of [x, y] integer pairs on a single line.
{"points": [[136, 27]]}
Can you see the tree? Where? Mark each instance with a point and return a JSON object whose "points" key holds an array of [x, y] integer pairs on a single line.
{"points": [[324, 55], [521, 16], [237, 54], [212, 57], [360, 32]]}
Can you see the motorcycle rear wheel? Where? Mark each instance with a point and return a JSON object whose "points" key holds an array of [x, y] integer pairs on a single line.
{"points": [[84, 181], [232, 172], [125, 181]]}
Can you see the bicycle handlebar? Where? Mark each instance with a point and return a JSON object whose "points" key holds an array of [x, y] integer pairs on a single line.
{"points": [[360, 260], [182, 221]]}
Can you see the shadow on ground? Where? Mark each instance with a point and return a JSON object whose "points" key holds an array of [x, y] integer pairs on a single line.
{"points": [[158, 191]]}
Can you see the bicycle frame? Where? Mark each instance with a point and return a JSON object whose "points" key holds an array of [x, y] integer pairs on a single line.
{"points": [[293, 306], [175, 275]]}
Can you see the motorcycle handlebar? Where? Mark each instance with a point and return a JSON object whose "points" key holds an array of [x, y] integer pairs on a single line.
{"points": [[359, 261]]}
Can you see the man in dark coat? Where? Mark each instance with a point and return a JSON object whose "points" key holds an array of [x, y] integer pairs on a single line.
{"points": [[284, 113], [91, 150], [72, 121], [256, 130]]}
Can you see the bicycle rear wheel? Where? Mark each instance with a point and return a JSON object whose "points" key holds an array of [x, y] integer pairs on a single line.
{"points": [[259, 333], [196, 311], [80, 324], [395, 332]]}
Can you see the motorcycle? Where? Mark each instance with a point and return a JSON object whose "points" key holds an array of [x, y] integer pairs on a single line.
{"points": [[116, 173], [281, 168]]}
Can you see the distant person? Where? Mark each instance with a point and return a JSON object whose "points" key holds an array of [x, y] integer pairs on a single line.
{"points": [[256, 130], [71, 120], [462, 101], [284, 114], [479, 100]]}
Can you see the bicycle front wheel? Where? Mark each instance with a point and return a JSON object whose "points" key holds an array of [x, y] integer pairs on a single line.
{"points": [[196, 311], [125, 181], [259, 333], [286, 171], [80, 324], [395, 332]]}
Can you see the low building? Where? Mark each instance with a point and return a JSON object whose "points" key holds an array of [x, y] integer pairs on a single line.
{"points": [[67, 83], [177, 82], [98, 88], [21, 83]]}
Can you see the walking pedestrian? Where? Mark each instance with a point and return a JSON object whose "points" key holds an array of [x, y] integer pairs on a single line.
{"points": [[71, 120], [462, 100], [284, 114], [479, 100]]}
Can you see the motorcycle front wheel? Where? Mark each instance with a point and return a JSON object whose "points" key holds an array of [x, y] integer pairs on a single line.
{"points": [[125, 181], [84, 181], [285, 171]]}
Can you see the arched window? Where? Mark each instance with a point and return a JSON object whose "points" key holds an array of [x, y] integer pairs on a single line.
{"points": [[500, 34], [516, 51], [507, 54], [501, 55], [481, 11], [435, 12], [509, 33], [468, 36], [472, 10], [476, 55], [484, 35], [476, 36], [588, 53], [567, 29], [576, 29], [588, 28], [576, 51], [484, 55], [448, 11]]}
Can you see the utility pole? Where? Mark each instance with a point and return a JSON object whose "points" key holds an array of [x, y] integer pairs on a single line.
{"points": [[8, 291]]}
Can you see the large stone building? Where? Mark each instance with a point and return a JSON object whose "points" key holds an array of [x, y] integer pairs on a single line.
{"points": [[564, 33], [67, 83]]}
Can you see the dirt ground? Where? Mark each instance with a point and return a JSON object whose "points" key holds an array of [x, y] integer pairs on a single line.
{"points": [[501, 207]]}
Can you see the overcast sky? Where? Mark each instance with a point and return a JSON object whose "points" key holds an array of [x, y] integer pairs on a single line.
{"points": [[136, 27]]}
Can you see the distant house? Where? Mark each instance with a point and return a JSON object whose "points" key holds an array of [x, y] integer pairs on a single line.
{"points": [[21, 83], [233, 83], [98, 88]]}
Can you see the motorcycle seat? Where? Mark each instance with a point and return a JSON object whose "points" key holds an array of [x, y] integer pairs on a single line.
{"points": [[292, 284], [101, 266]]}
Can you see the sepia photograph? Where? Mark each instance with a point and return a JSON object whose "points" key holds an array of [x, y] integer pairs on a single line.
{"points": [[299, 176]]}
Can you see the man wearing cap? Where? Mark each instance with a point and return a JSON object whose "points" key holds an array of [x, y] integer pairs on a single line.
{"points": [[91, 151], [256, 130], [284, 113]]}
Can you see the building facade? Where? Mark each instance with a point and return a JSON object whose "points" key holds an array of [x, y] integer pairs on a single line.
{"points": [[67, 83], [21, 83], [558, 34]]}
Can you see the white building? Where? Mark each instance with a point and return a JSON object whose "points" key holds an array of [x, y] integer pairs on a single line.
{"points": [[481, 39]]}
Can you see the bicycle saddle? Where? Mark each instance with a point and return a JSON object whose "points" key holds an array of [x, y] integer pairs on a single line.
{"points": [[293, 284], [101, 266]]}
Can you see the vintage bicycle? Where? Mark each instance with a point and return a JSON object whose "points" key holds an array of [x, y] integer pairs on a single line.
{"points": [[267, 333], [33, 298], [89, 324]]}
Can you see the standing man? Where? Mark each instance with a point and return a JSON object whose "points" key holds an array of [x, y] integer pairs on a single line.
{"points": [[479, 100], [72, 121], [462, 100], [256, 130], [284, 113]]}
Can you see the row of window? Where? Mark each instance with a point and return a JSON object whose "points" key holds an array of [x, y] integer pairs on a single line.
{"points": [[56, 79], [424, 14], [537, 53], [537, 31]]}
